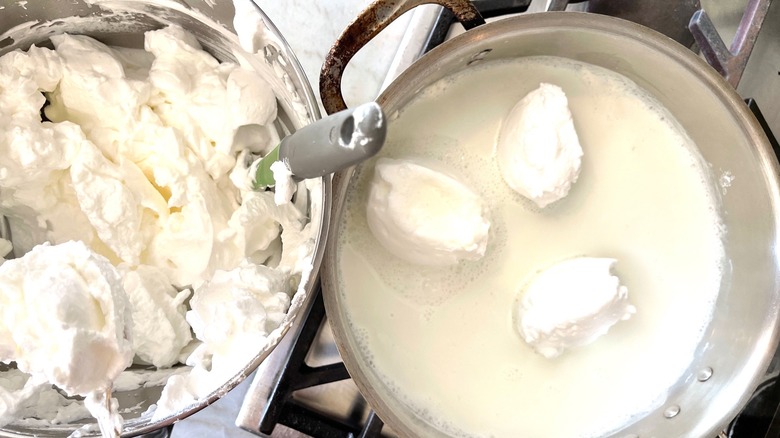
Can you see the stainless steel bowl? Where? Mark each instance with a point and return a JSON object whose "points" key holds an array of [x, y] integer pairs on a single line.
{"points": [[122, 23]]}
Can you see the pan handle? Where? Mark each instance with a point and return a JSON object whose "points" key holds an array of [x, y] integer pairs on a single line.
{"points": [[377, 16]]}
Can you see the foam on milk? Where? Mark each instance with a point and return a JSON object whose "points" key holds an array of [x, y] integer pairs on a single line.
{"points": [[395, 307]]}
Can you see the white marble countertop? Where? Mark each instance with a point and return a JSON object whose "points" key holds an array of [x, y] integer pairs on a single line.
{"points": [[311, 28]]}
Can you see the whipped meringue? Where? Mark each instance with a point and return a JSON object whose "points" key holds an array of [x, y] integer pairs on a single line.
{"points": [[425, 216], [119, 168], [61, 304]]}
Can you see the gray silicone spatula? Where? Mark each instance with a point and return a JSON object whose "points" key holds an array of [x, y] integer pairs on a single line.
{"points": [[326, 146]]}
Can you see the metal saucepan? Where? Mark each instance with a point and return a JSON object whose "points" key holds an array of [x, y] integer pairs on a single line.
{"points": [[33, 22], [741, 339]]}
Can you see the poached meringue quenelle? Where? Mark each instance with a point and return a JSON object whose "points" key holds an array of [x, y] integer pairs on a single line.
{"points": [[538, 151], [571, 304], [425, 216]]}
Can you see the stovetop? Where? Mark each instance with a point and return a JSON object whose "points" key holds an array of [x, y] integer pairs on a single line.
{"points": [[303, 389]]}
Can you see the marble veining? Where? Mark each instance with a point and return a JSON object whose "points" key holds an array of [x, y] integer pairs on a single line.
{"points": [[311, 28]]}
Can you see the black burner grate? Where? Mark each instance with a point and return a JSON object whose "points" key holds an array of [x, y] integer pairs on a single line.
{"points": [[760, 417], [282, 408]]}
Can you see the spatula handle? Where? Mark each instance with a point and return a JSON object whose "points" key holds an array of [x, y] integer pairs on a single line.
{"points": [[334, 142]]}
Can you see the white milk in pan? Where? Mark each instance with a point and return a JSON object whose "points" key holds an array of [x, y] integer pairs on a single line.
{"points": [[444, 338]]}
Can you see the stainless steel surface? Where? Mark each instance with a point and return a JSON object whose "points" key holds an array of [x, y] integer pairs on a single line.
{"points": [[335, 398], [557, 5], [742, 337], [5, 233], [410, 48], [267, 374], [32, 22], [730, 62], [340, 400]]}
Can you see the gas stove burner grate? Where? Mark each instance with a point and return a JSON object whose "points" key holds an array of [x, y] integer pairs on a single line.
{"points": [[282, 408], [759, 418]]}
